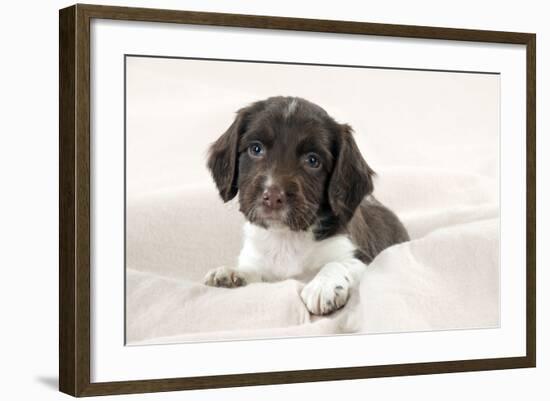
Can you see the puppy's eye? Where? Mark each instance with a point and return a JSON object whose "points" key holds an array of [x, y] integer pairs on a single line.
{"points": [[256, 149], [312, 160]]}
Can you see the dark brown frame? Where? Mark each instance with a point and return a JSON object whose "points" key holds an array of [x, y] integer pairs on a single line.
{"points": [[74, 199]]}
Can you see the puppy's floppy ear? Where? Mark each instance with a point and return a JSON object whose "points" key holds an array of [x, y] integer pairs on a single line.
{"points": [[223, 158], [351, 178]]}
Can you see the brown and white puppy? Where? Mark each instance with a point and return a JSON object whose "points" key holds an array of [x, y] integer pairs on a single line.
{"points": [[304, 189]]}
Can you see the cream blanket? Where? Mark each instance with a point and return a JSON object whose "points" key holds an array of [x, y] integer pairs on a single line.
{"points": [[446, 277]]}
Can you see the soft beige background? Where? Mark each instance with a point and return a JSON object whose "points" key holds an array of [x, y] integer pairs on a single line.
{"points": [[176, 108], [431, 136]]}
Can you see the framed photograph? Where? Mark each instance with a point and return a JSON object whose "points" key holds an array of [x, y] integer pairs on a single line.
{"points": [[250, 200]]}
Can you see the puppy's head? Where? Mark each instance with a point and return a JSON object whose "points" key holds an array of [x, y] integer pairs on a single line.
{"points": [[291, 164]]}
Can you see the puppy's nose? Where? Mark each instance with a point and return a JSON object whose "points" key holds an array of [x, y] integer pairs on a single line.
{"points": [[273, 197]]}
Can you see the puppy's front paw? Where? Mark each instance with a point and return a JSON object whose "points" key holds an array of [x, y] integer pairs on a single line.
{"points": [[325, 294], [224, 277]]}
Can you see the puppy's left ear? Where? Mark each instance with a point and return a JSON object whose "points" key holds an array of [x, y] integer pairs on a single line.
{"points": [[351, 178], [223, 158]]}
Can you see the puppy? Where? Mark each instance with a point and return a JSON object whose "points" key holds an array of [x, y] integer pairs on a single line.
{"points": [[305, 191]]}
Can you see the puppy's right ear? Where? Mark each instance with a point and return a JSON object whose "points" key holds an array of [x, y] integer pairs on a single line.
{"points": [[223, 158]]}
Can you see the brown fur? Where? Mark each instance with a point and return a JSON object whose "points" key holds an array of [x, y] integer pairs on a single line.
{"points": [[330, 199]]}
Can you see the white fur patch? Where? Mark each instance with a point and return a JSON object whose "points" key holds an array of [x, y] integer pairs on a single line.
{"points": [[291, 108], [278, 253], [268, 181], [328, 291]]}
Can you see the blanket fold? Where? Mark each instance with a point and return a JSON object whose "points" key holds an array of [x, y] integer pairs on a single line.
{"points": [[446, 277]]}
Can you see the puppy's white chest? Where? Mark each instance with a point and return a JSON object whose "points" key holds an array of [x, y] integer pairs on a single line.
{"points": [[286, 257], [277, 253]]}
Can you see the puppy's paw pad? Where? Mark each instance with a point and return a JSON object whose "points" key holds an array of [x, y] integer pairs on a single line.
{"points": [[324, 295], [224, 277]]}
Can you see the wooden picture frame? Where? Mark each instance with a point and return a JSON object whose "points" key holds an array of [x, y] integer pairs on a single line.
{"points": [[74, 199]]}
